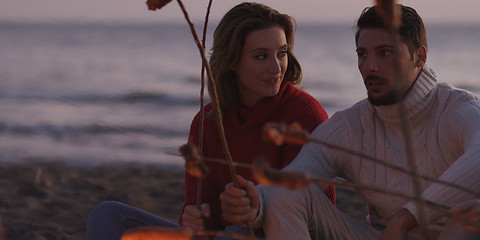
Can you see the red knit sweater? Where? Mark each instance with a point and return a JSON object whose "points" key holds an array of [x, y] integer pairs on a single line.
{"points": [[243, 133]]}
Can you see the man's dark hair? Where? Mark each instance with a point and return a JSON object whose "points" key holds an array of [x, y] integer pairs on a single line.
{"points": [[412, 30]]}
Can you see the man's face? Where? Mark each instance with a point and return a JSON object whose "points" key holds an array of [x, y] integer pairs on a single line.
{"points": [[376, 53]]}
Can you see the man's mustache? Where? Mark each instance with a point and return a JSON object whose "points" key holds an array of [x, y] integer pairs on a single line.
{"points": [[374, 77]]}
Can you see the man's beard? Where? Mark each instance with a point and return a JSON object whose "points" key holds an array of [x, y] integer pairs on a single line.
{"points": [[389, 98]]}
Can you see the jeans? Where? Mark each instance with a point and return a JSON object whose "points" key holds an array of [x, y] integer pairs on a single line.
{"points": [[109, 220]]}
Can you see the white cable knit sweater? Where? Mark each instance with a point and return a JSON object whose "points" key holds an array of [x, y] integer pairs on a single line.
{"points": [[445, 130]]}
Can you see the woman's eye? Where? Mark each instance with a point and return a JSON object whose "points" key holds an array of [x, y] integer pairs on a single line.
{"points": [[282, 53], [261, 56]]}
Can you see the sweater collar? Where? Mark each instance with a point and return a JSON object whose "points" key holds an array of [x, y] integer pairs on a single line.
{"points": [[242, 115], [415, 101]]}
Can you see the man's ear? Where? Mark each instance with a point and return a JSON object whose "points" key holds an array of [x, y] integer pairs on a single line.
{"points": [[421, 56]]}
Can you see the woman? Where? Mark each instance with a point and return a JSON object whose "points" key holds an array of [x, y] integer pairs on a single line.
{"points": [[256, 73]]}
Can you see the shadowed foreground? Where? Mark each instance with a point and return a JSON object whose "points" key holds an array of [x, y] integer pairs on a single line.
{"points": [[52, 200]]}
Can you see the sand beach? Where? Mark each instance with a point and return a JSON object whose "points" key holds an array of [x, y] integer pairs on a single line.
{"points": [[52, 200]]}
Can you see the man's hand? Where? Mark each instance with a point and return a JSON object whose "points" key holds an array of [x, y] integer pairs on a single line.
{"points": [[399, 226], [195, 218], [471, 210], [240, 205]]}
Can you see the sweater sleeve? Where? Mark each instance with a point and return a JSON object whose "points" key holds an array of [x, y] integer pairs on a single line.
{"points": [[463, 172], [319, 160], [190, 181], [309, 113], [463, 127], [209, 195]]}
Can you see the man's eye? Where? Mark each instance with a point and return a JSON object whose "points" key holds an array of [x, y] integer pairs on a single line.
{"points": [[387, 52], [361, 54]]}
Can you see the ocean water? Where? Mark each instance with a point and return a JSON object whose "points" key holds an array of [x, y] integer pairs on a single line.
{"points": [[102, 93]]}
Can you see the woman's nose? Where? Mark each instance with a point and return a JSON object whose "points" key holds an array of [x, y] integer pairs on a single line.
{"points": [[275, 65]]}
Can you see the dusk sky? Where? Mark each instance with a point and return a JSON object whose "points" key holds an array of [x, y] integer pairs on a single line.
{"points": [[343, 11]]}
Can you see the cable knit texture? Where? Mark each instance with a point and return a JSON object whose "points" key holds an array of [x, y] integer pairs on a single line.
{"points": [[444, 125], [243, 133]]}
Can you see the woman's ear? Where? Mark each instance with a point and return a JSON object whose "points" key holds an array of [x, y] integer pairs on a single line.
{"points": [[421, 56]]}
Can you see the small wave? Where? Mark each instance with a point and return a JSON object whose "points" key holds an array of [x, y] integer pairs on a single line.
{"points": [[137, 97], [129, 98], [468, 87], [56, 131], [101, 128]]}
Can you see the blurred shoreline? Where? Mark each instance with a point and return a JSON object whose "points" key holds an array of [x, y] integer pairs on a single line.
{"points": [[108, 93]]}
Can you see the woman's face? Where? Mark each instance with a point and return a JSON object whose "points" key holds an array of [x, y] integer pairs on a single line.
{"points": [[262, 65]]}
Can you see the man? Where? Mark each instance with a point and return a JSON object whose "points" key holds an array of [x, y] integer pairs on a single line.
{"points": [[444, 125]]}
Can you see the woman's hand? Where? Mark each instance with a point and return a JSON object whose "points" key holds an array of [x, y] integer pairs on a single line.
{"points": [[194, 218], [240, 205]]}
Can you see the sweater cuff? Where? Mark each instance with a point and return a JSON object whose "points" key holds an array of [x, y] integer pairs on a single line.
{"points": [[413, 209], [258, 221], [432, 216]]}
